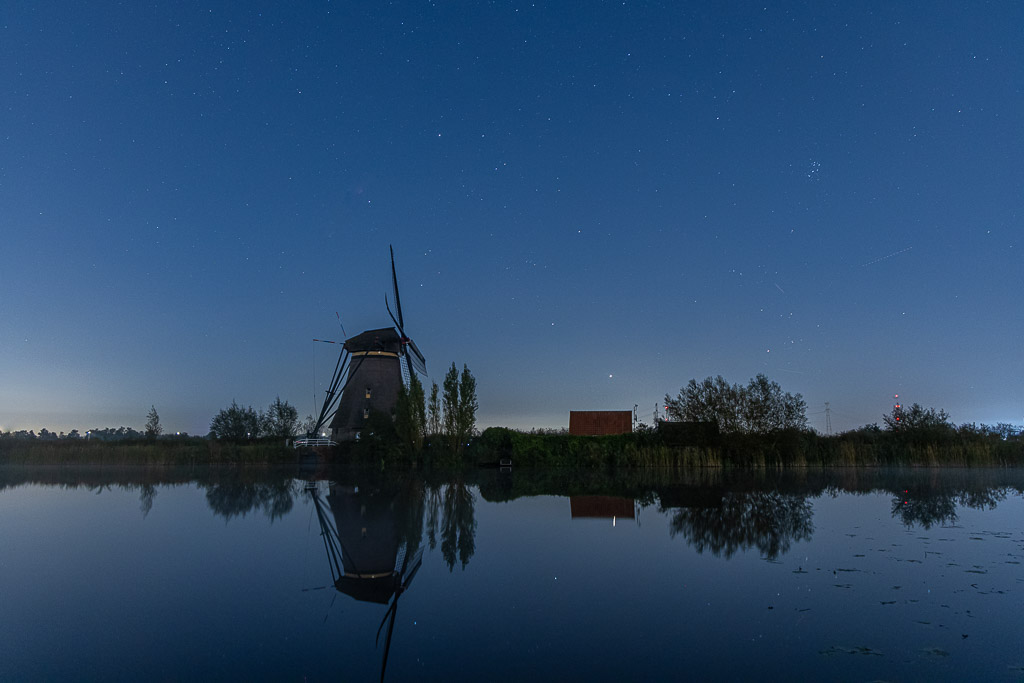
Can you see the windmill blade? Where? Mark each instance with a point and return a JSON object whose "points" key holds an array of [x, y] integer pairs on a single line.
{"points": [[416, 358], [393, 318], [420, 363], [394, 282], [415, 568], [333, 394], [332, 406], [328, 612], [390, 613], [410, 560], [387, 641]]}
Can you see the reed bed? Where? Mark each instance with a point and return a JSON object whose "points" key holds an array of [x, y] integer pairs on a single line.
{"points": [[789, 448], [192, 451]]}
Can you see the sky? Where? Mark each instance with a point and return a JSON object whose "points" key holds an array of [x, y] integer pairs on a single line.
{"points": [[590, 203]]}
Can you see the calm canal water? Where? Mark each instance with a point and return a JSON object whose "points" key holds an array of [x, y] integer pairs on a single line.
{"points": [[314, 574]]}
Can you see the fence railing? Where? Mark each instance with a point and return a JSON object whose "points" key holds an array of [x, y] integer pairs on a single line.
{"points": [[310, 441]]}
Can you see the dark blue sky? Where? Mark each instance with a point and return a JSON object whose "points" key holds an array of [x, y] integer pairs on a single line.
{"points": [[590, 203]]}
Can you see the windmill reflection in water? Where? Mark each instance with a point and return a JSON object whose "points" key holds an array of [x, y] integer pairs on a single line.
{"points": [[372, 552]]}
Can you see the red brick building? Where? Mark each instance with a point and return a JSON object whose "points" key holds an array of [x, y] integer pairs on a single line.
{"points": [[600, 422]]}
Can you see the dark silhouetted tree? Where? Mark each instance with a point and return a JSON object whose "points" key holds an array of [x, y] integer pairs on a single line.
{"points": [[410, 415], [450, 403], [917, 419], [307, 424], [760, 407], [153, 428], [467, 407], [235, 423], [280, 420], [433, 412]]}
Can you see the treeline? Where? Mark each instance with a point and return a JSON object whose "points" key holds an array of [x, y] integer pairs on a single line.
{"points": [[964, 447], [279, 421], [106, 434], [94, 434], [715, 423]]}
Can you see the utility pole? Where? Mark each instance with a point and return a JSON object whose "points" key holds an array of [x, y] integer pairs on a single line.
{"points": [[828, 419], [656, 415], [635, 406]]}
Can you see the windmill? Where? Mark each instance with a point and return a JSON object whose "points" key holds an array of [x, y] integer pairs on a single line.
{"points": [[369, 373]]}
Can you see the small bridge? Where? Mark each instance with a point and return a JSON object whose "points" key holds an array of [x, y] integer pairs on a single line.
{"points": [[307, 442]]}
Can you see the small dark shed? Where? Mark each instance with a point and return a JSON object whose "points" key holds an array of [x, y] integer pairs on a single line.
{"points": [[600, 422], [688, 433]]}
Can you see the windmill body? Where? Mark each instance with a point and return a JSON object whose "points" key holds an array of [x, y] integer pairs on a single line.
{"points": [[374, 381]]}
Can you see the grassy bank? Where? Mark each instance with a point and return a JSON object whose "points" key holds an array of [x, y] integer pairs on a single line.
{"points": [[648, 449], [164, 452], [790, 448]]}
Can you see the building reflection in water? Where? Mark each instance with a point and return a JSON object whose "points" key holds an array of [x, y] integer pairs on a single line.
{"points": [[604, 507], [372, 539]]}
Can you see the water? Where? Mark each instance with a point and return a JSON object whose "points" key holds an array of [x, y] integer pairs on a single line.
{"points": [[838, 575]]}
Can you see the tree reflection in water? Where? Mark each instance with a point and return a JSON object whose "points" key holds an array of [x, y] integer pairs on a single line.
{"points": [[236, 498], [146, 496], [926, 508], [767, 520], [451, 509]]}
